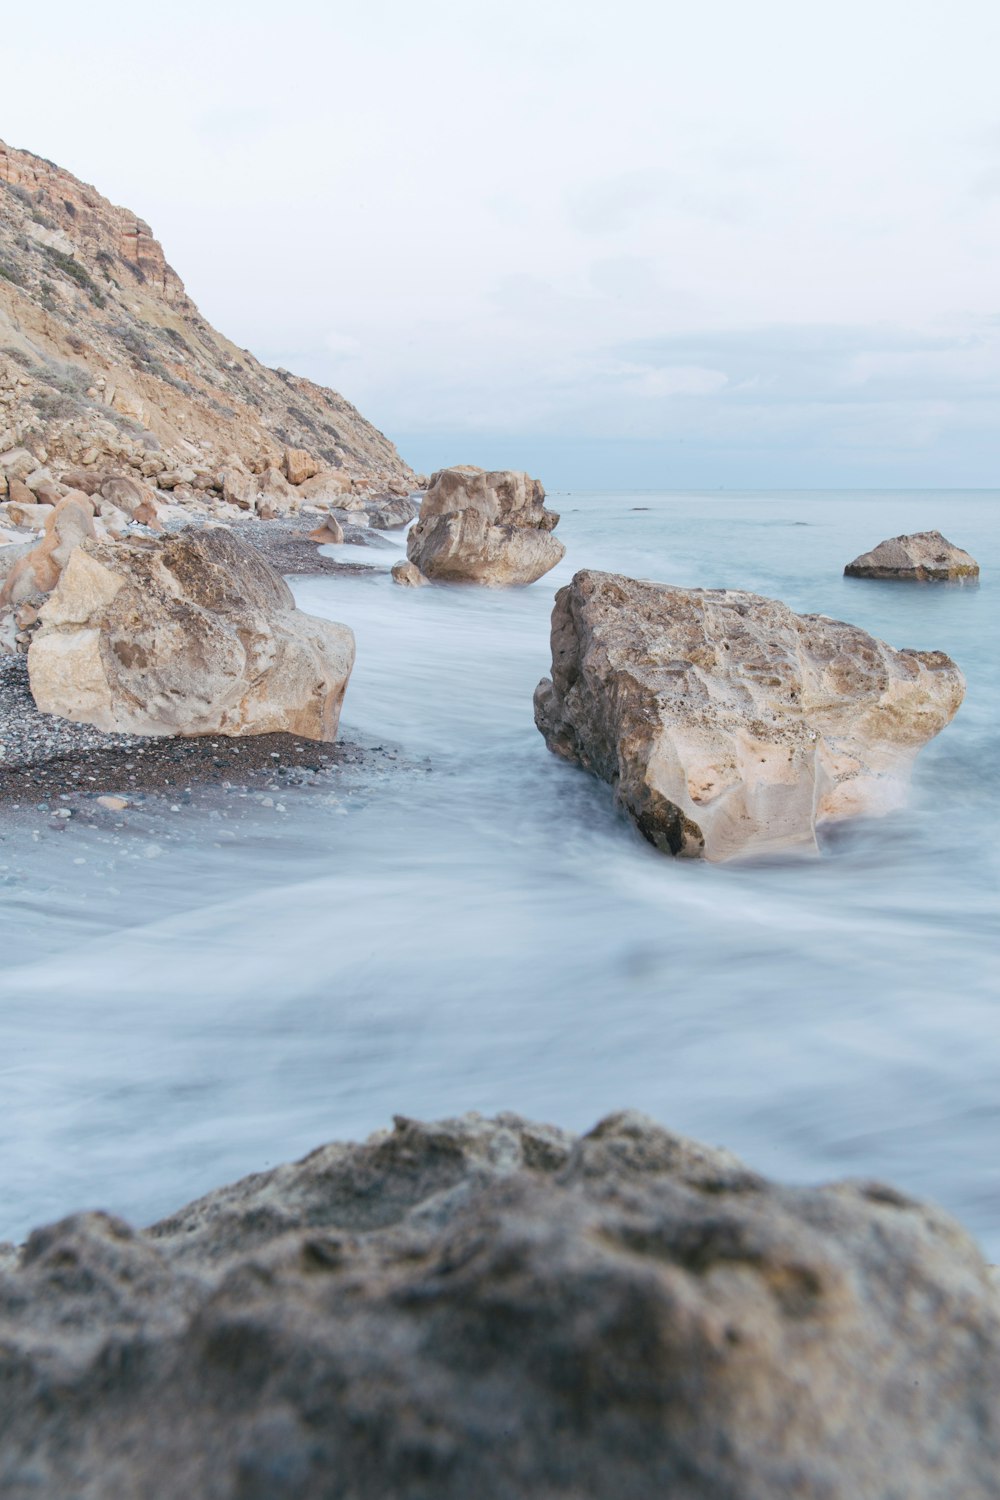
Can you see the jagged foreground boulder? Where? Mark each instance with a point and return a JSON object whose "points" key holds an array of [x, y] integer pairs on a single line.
{"points": [[501, 1310], [727, 724], [192, 634], [924, 556], [486, 528]]}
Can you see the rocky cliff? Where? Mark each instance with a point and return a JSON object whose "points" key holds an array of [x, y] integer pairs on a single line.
{"points": [[106, 361]]}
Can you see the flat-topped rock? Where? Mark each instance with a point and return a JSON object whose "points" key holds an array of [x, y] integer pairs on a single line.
{"points": [[727, 724], [490, 528], [191, 634], [923, 556], [496, 1308]]}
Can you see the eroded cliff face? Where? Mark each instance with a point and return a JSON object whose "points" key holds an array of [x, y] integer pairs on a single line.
{"points": [[105, 360]]}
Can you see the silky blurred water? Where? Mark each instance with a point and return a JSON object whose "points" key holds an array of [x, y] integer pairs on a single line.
{"points": [[199, 993]]}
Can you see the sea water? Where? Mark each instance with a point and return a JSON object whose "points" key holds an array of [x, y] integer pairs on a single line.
{"points": [[192, 991]]}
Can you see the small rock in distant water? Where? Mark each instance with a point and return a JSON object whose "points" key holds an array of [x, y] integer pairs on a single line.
{"points": [[113, 804], [923, 556]]}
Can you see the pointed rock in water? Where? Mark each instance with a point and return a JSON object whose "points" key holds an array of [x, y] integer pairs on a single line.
{"points": [[924, 556], [190, 634], [493, 1308], [486, 528], [727, 724]]}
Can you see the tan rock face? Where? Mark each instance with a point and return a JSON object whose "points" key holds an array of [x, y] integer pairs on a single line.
{"points": [[332, 484], [66, 525], [497, 1309], [105, 360], [924, 556], [408, 575], [191, 634], [331, 531], [729, 725], [485, 528], [298, 465]]}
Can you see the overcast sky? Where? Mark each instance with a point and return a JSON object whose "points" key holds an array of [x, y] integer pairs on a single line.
{"points": [[744, 242]]}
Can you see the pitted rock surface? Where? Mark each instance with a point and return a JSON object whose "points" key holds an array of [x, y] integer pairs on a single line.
{"points": [[500, 1309], [486, 528], [192, 634], [729, 725]]}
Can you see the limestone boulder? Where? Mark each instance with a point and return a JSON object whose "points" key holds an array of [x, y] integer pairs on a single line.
{"points": [[189, 634], [66, 525], [330, 531], [24, 513], [133, 497], [923, 557], [18, 463], [331, 484], [238, 488], [391, 512], [727, 724], [408, 575], [490, 528], [298, 465], [499, 1309]]}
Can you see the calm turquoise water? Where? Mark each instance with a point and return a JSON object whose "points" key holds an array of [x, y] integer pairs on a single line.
{"points": [[200, 993]]}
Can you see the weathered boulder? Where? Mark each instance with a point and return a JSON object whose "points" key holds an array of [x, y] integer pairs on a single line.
{"points": [[924, 556], [238, 488], [727, 724], [66, 525], [485, 528], [133, 497], [24, 513], [191, 634], [391, 512], [331, 484], [330, 531], [493, 1308], [18, 463], [298, 465], [408, 575]]}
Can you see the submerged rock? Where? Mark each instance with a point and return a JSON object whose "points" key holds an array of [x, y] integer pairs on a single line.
{"points": [[727, 724], [493, 1308], [924, 556], [486, 528], [192, 634]]}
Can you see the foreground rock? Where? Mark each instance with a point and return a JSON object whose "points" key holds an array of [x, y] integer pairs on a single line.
{"points": [[193, 634], [486, 528], [499, 1309], [727, 724], [924, 556]]}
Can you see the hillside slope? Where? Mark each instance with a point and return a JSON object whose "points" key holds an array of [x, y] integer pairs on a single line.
{"points": [[105, 360]]}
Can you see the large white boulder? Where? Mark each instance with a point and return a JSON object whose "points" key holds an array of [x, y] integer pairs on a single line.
{"points": [[727, 724], [189, 634], [486, 528]]}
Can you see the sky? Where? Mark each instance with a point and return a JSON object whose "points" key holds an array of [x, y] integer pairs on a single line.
{"points": [[641, 244]]}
